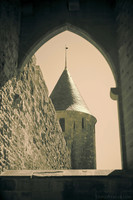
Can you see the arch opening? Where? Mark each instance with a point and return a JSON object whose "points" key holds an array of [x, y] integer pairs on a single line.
{"points": [[115, 83], [69, 27]]}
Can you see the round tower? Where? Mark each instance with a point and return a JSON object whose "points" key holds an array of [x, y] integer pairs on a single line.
{"points": [[78, 125]]}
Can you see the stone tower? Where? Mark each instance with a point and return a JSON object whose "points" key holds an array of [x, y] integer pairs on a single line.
{"points": [[77, 124]]}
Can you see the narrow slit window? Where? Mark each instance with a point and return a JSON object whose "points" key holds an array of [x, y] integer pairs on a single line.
{"points": [[74, 126], [83, 123], [62, 124]]}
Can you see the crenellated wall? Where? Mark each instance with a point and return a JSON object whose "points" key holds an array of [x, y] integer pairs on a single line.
{"points": [[30, 135]]}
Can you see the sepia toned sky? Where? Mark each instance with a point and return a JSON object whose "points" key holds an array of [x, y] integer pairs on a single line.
{"points": [[93, 77]]}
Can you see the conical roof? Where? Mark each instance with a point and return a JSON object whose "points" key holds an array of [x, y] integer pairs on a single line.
{"points": [[65, 95]]}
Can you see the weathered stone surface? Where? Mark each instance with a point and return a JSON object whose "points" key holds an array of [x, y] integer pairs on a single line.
{"points": [[9, 38], [31, 137], [80, 140], [124, 11]]}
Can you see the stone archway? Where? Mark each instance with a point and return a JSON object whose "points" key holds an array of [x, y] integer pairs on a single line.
{"points": [[78, 31], [107, 56], [26, 23]]}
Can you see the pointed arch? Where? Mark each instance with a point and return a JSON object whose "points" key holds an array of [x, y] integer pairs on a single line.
{"points": [[74, 29]]}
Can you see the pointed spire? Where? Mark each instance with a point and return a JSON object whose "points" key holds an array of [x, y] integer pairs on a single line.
{"points": [[66, 56], [65, 95]]}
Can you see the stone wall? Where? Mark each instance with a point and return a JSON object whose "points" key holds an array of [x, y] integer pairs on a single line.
{"points": [[30, 135], [9, 38], [67, 185], [80, 138], [35, 25], [124, 19]]}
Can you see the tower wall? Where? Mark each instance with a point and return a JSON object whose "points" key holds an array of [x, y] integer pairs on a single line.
{"points": [[79, 133]]}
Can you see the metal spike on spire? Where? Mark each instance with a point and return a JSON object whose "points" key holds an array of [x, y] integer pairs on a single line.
{"points": [[66, 56]]}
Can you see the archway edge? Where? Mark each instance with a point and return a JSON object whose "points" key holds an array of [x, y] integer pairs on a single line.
{"points": [[74, 29]]}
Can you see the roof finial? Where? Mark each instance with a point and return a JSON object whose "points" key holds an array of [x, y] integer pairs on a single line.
{"points": [[66, 56]]}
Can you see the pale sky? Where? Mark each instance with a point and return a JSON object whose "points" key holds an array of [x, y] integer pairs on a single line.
{"points": [[93, 77]]}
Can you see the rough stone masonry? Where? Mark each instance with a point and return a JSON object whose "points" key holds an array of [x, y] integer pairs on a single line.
{"points": [[30, 135]]}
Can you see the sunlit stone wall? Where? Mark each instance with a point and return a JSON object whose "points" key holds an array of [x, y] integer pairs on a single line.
{"points": [[30, 135]]}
